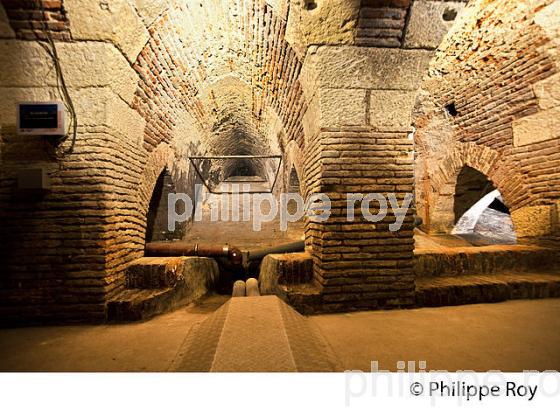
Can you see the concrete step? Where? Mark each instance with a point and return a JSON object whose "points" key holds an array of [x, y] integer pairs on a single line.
{"points": [[158, 285], [467, 289], [261, 334], [484, 260]]}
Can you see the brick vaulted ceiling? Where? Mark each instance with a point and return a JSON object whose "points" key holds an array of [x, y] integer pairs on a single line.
{"points": [[227, 67], [224, 63]]}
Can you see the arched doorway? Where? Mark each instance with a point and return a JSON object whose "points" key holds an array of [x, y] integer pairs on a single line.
{"points": [[480, 214], [156, 227]]}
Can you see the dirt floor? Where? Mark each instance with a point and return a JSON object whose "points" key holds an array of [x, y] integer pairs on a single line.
{"points": [[509, 336]]}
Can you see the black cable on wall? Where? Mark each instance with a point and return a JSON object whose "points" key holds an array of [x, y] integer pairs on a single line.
{"points": [[50, 47]]}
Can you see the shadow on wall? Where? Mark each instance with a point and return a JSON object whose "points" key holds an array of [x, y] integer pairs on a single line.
{"points": [[157, 229]]}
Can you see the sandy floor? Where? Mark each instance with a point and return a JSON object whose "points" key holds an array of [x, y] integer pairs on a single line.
{"points": [[511, 336]]}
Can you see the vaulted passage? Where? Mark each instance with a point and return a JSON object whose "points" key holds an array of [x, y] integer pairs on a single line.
{"points": [[362, 149]]}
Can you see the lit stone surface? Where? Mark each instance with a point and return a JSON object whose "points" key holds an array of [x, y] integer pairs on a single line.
{"points": [[341, 107], [369, 68], [115, 21], [332, 21], [427, 25], [79, 62], [533, 221], [542, 126], [548, 92], [391, 109], [482, 91]]}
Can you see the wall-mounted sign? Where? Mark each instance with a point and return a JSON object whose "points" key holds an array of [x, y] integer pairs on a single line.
{"points": [[41, 118]]}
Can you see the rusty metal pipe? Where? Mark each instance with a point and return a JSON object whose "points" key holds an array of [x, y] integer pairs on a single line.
{"points": [[185, 249], [298, 246]]}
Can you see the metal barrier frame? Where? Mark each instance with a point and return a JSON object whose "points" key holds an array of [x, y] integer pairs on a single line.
{"points": [[211, 157]]}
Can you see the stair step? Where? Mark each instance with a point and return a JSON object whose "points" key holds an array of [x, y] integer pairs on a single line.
{"points": [[160, 285], [154, 272], [466, 289], [306, 298], [139, 304], [484, 260]]}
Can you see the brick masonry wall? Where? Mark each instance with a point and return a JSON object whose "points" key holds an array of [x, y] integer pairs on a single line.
{"points": [[156, 83], [63, 252], [29, 19], [172, 79], [358, 264], [492, 69]]}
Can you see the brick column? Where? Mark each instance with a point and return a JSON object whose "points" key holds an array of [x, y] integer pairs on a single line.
{"points": [[357, 131]]}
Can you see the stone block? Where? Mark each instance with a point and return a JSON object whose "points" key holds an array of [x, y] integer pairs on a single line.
{"points": [[342, 107], [548, 92], [311, 123], [330, 22], [549, 19], [429, 22], [533, 221], [542, 126], [84, 64], [391, 109], [150, 10], [166, 284], [101, 106], [115, 21], [286, 269], [155, 273], [367, 68], [94, 107]]}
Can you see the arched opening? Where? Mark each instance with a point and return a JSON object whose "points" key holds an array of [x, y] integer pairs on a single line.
{"points": [[157, 228], [243, 168], [293, 182], [480, 214], [471, 186]]}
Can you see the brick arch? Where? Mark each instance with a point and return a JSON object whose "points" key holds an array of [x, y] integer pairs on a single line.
{"points": [[159, 160], [294, 159], [156, 162], [174, 72], [487, 161]]}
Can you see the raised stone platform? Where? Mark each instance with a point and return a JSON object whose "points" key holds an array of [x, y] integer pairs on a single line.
{"points": [[460, 290], [256, 334], [445, 275], [462, 275], [290, 277], [452, 261], [157, 285]]}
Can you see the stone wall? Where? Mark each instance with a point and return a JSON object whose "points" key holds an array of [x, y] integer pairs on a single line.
{"points": [[489, 103]]}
